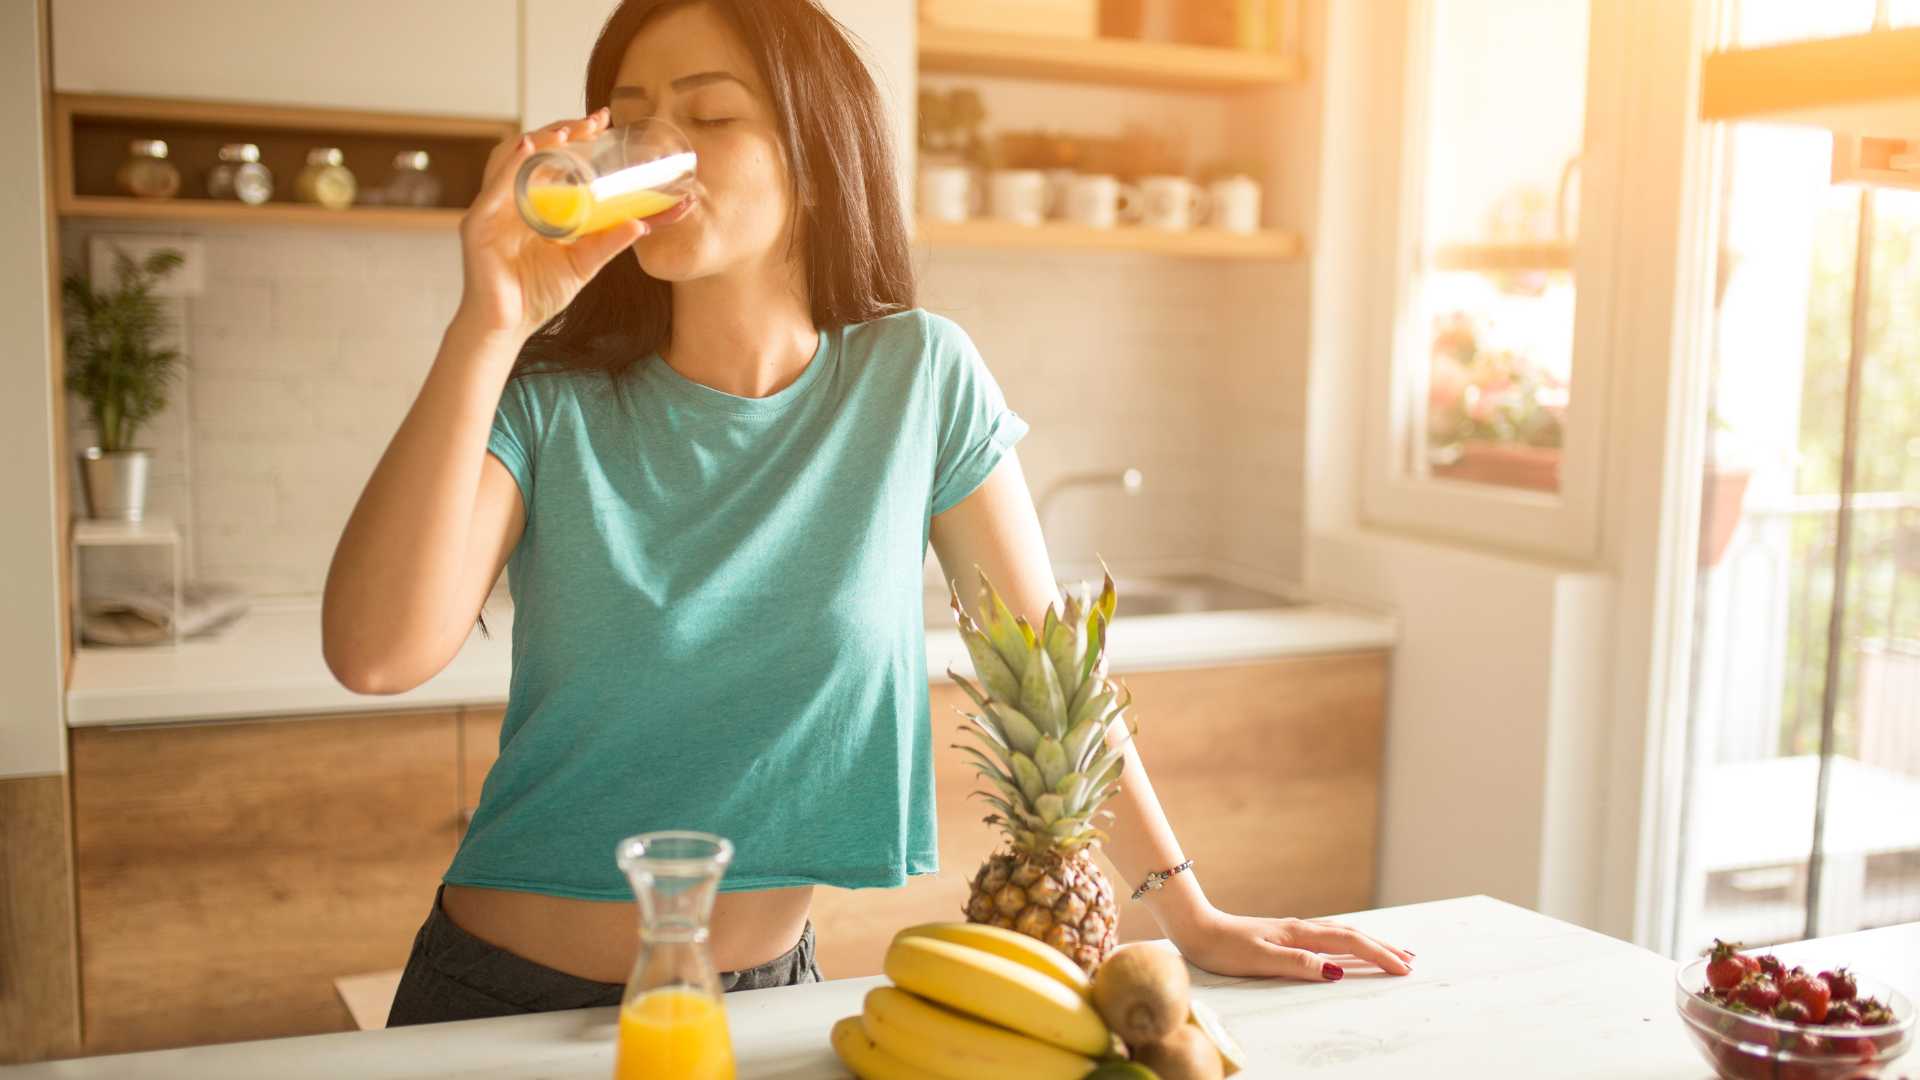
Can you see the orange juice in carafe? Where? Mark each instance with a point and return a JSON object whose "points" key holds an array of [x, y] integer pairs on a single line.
{"points": [[673, 1034]]}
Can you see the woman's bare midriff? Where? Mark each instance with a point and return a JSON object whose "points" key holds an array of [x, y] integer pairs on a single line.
{"points": [[597, 939]]}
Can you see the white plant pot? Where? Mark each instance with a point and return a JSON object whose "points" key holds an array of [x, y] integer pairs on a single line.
{"points": [[115, 483]]}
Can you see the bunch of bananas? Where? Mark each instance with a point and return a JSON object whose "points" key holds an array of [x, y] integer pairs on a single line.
{"points": [[971, 1000]]}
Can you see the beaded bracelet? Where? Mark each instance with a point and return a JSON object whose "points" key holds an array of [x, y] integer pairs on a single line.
{"points": [[1157, 878]]}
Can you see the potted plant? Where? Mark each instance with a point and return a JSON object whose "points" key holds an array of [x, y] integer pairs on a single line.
{"points": [[116, 365], [1493, 416], [1722, 491]]}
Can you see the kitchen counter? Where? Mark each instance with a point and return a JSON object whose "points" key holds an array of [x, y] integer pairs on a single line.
{"points": [[268, 663], [1496, 991]]}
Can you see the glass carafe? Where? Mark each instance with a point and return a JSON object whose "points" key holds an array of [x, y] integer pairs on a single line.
{"points": [[672, 1023]]}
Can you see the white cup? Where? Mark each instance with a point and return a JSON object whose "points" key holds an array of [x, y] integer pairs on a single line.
{"points": [[1019, 195], [946, 192], [1233, 204], [1059, 184], [1099, 202], [1172, 203]]}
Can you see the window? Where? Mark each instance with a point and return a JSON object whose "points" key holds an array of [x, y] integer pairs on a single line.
{"points": [[1490, 400]]}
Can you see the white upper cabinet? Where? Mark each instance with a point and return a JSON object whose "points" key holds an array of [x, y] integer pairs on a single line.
{"points": [[556, 38], [889, 35], [438, 57]]}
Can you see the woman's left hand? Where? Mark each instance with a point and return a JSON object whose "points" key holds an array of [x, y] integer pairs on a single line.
{"points": [[1311, 949]]}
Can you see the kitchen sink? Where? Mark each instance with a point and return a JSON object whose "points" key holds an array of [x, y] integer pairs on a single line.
{"points": [[1172, 594]]}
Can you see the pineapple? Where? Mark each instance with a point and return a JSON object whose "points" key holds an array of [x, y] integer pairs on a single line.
{"points": [[1045, 707]]}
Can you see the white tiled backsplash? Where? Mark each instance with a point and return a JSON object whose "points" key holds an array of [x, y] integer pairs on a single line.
{"points": [[308, 346]]}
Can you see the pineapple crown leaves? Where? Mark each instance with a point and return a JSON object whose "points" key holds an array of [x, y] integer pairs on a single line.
{"points": [[1045, 708]]}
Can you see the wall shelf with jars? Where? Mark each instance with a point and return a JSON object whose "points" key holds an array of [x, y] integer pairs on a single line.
{"points": [[1270, 245], [165, 160], [1163, 171]]}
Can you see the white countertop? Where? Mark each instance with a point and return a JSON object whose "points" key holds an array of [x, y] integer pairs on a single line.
{"points": [[268, 663], [1496, 991]]}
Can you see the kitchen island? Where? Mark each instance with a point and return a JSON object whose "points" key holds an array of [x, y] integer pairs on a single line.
{"points": [[1496, 991]]}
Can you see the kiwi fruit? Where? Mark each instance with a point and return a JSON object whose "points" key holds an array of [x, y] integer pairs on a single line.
{"points": [[1185, 1054], [1142, 992], [1121, 1070]]}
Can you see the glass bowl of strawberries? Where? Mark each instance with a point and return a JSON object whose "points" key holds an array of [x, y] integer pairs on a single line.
{"points": [[1753, 1016]]}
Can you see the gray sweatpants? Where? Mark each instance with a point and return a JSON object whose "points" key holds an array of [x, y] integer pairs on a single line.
{"points": [[452, 975]]}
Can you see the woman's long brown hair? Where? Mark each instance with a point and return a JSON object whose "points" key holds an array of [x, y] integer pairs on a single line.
{"points": [[846, 207]]}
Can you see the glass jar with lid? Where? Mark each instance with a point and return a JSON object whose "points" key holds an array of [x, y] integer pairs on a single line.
{"points": [[239, 175], [412, 184], [326, 179], [147, 173]]}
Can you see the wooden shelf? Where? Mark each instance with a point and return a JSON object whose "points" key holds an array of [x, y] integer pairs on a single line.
{"points": [[91, 532], [223, 212], [1271, 244], [1865, 84], [1102, 60], [1496, 258], [91, 134]]}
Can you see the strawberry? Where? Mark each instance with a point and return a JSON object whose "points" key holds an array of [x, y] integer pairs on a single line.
{"points": [[1843, 1014], [1726, 967], [1841, 983], [1792, 1011], [1859, 1049], [1758, 993], [1810, 991], [1873, 1013], [1771, 966]]}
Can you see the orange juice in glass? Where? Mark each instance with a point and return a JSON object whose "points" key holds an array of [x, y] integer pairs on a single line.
{"points": [[631, 171], [672, 1023]]}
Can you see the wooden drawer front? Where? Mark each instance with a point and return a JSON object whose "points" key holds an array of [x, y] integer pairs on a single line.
{"points": [[228, 873], [479, 749]]}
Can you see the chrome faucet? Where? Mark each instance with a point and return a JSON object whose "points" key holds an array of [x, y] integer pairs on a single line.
{"points": [[1129, 480]]}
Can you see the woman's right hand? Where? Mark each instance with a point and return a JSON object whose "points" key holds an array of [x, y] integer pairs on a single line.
{"points": [[516, 279]]}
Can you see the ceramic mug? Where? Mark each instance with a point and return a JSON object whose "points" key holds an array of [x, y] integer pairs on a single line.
{"points": [[1059, 186], [1173, 203], [1233, 204], [1100, 202], [1019, 195], [946, 192]]}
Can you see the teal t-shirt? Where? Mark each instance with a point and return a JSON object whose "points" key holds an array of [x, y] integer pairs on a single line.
{"points": [[718, 613]]}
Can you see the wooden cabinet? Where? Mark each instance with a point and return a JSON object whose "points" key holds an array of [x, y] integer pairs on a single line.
{"points": [[227, 873], [445, 57], [1270, 773], [479, 747]]}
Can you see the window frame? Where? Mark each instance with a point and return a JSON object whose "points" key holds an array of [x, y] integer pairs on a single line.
{"points": [[1563, 526]]}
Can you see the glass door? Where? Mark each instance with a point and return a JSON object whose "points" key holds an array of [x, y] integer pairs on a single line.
{"points": [[1801, 803]]}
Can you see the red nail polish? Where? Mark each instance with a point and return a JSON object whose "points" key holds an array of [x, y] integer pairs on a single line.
{"points": [[1332, 972]]}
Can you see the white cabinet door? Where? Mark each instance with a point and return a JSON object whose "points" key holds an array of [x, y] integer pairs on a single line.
{"points": [[555, 41], [888, 33], [443, 57]]}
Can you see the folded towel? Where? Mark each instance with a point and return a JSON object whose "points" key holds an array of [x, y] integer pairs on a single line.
{"points": [[145, 616]]}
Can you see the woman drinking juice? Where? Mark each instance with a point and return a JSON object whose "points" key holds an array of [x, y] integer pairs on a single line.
{"points": [[712, 448]]}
